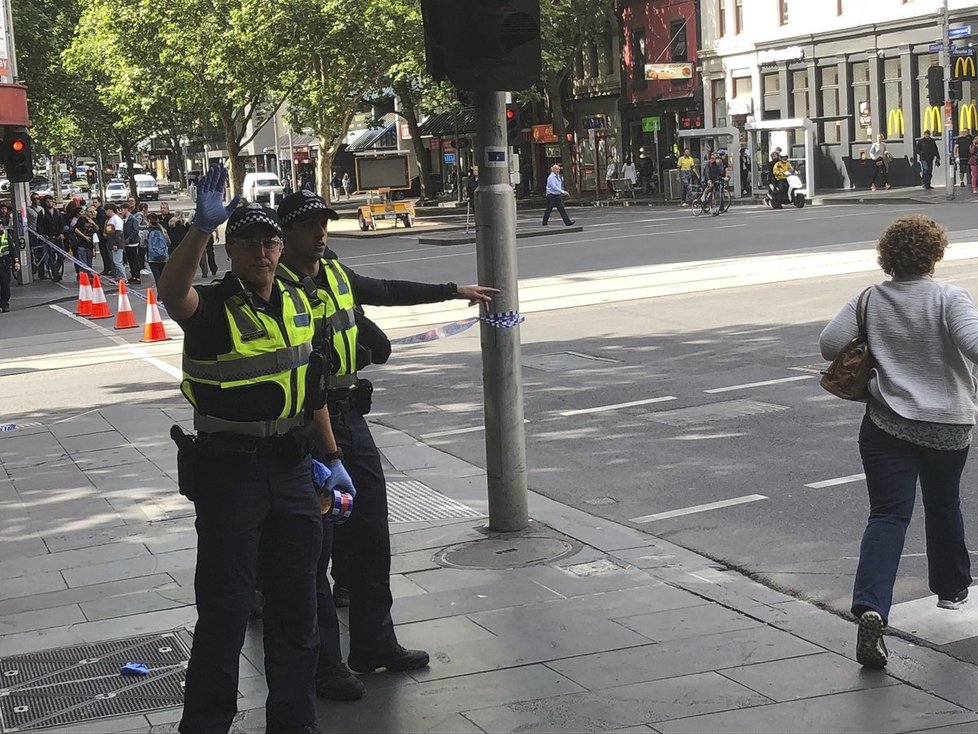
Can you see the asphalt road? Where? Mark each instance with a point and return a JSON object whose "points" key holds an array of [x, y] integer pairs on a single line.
{"points": [[707, 326]]}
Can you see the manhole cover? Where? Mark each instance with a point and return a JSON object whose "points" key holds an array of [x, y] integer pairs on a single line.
{"points": [[504, 552], [71, 685]]}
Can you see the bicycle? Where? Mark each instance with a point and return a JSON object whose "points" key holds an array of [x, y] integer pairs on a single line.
{"points": [[44, 258], [716, 200]]}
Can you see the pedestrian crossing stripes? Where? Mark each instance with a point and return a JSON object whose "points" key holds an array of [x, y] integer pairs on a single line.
{"points": [[413, 501]]}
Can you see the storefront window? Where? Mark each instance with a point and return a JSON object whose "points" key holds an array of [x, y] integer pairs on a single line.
{"points": [[799, 101], [831, 129], [861, 112], [720, 103], [892, 95]]}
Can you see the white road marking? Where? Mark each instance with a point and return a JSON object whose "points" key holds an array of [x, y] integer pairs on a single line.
{"points": [[616, 406], [837, 481], [454, 431], [759, 384], [699, 508], [138, 352]]}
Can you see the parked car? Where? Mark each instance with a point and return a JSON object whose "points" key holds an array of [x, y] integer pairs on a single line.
{"points": [[261, 186], [146, 187], [67, 190], [116, 191]]}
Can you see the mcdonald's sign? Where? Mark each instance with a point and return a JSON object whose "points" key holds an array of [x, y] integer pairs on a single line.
{"points": [[964, 67], [895, 123], [967, 117], [932, 120]]}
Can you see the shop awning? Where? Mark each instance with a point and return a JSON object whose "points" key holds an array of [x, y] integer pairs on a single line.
{"points": [[443, 124], [375, 137], [299, 140]]}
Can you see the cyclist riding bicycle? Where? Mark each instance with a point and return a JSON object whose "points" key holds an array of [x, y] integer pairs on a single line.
{"points": [[715, 172]]}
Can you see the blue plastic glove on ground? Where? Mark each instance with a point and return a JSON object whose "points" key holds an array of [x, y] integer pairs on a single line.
{"points": [[340, 479], [320, 474], [211, 211], [134, 669]]}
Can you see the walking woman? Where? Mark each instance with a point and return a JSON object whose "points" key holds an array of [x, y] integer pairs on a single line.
{"points": [[919, 420]]}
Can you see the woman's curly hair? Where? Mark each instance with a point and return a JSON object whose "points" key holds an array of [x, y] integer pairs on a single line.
{"points": [[911, 246]]}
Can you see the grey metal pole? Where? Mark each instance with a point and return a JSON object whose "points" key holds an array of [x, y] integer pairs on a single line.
{"points": [[495, 242], [19, 191], [945, 62]]}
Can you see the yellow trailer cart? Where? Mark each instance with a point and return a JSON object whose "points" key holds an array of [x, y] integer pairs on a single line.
{"points": [[385, 208], [378, 175]]}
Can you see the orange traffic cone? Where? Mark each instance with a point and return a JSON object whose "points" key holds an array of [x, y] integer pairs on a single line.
{"points": [[124, 318], [100, 308], [84, 307], [153, 330]]}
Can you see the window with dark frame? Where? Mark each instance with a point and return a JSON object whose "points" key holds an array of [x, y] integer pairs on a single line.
{"points": [[892, 93], [719, 102], [861, 111], [799, 100], [738, 16], [721, 18], [829, 83], [638, 58], [782, 12], [678, 45]]}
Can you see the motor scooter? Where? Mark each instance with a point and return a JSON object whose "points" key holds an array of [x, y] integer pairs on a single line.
{"points": [[795, 193]]}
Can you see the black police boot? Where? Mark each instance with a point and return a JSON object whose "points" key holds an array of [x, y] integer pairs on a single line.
{"points": [[341, 596], [397, 658], [339, 684]]}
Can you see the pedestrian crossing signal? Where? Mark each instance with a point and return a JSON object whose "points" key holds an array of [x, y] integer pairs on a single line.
{"points": [[16, 157]]}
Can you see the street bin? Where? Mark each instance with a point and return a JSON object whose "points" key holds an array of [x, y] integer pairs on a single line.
{"points": [[674, 186]]}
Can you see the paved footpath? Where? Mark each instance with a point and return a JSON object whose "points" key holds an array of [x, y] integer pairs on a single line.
{"points": [[577, 624]]}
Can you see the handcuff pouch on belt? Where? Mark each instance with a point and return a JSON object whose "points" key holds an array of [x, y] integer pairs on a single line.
{"points": [[188, 461], [318, 372]]}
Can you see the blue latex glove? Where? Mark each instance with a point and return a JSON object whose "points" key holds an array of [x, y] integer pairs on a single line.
{"points": [[339, 478], [211, 211], [320, 474]]}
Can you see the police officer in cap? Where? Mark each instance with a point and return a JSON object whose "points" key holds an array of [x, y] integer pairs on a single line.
{"points": [[9, 256], [247, 345], [336, 291]]}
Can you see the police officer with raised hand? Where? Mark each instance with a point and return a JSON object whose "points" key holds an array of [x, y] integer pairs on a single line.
{"points": [[336, 291], [248, 340]]}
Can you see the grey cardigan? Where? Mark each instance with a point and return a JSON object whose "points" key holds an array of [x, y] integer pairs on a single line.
{"points": [[924, 336]]}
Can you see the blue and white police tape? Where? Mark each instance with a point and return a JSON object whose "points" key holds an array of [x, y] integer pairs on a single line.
{"points": [[340, 506], [503, 320]]}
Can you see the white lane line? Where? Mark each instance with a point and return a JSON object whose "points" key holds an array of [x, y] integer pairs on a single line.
{"points": [[616, 406], [837, 481], [759, 384], [138, 352], [699, 508]]}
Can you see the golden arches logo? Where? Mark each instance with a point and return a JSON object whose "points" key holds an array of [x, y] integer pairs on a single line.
{"points": [[895, 123], [964, 67], [932, 119], [967, 117]]}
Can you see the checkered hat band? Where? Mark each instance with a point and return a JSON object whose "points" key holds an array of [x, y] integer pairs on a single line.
{"points": [[310, 205], [253, 217]]}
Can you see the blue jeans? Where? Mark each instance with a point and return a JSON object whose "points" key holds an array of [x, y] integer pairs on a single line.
{"points": [[118, 269], [686, 177], [892, 467], [926, 171]]}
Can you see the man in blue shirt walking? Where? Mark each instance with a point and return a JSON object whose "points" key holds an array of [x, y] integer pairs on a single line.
{"points": [[555, 196]]}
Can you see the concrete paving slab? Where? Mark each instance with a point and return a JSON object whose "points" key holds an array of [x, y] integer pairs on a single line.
{"points": [[88, 423], [105, 458], [610, 578], [424, 635], [625, 706], [469, 600], [807, 677], [39, 583], [591, 530], [38, 619], [166, 542], [439, 536], [888, 709], [93, 442], [679, 624], [128, 568], [82, 594], [402, 586], [413, 562], [135, 603], [65, 476], [682, 657], [922, 618], [24, 544], [115, 725], [91, 537]]}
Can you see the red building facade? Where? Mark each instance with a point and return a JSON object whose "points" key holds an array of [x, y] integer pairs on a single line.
{"points": [[661, 87]]}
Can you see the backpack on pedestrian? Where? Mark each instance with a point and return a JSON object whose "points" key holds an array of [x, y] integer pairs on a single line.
{"points": [[158, 250]]}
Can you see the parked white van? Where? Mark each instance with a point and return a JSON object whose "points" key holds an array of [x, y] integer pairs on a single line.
{"points": [[146, 187], [261, 186]]}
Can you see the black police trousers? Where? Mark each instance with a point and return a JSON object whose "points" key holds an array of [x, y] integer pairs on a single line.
{"points": [[364, 541], [254, 513]]}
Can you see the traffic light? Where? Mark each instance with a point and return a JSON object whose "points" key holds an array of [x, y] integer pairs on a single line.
{"points": [[513, 125], [483, 44], [954, 91], [935, 85], [17, 157]]}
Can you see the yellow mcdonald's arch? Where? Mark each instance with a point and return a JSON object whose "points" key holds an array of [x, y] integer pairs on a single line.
{"points": [[895, 123], [932, 120], [967, 117], [962, 64]]}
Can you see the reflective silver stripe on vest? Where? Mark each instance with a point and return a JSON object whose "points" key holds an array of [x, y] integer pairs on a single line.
{"points": [[337, 382], [257, 429], [246, 368], [343, 320]]}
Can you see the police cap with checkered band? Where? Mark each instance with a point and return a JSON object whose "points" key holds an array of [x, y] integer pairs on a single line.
{"points": [[304, 205], [254, 213]]}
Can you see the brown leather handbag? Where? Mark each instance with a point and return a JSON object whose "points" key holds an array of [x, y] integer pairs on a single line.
{"points": [[848, 375]]}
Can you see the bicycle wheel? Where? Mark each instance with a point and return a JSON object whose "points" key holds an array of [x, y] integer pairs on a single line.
{"points": [[725, 200]]}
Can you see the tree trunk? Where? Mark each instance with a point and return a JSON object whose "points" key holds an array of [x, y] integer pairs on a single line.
{"points": [[410, 114], [178, 157], [560, 130], [236, 177], [325, 171], [130, 169]]}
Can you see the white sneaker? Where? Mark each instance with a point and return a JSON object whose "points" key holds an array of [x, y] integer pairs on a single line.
{"points": [[144, 271], [870, 648]]}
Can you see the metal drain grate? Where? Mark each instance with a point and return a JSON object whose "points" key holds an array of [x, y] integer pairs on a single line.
{"points": [[72, 685], [411, 501]]}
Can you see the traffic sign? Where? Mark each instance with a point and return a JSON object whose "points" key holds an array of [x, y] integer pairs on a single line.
{"points": [[959, 32], [935, 47], [449, 157], [651, 124]]}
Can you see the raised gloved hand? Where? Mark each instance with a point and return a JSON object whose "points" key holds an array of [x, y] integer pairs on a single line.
{"points": [[320, 474], [339, 478], [211, 211]]}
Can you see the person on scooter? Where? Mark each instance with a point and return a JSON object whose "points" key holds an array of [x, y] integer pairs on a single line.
{"points": [[780, 168]]}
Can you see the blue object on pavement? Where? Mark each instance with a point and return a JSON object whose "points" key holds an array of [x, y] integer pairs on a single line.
{"points": [[134, 669]]}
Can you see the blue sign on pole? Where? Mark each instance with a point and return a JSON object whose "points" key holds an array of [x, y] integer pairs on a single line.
{"points": [[935, 47], [449, 157], [959, 32]]}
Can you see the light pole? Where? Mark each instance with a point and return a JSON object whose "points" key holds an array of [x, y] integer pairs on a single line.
{"points": [[18, 191], [945, 62]]}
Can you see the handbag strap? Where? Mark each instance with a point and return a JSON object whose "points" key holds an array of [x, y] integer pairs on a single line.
{"points": [[862, 307]]}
